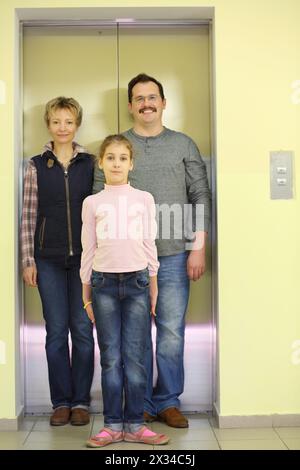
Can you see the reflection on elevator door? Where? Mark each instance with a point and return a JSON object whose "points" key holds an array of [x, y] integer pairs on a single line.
{"points": [[179, 58]]}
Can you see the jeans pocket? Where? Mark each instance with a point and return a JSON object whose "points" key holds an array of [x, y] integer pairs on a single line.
{"points": [[142, 279], [97, 280]]}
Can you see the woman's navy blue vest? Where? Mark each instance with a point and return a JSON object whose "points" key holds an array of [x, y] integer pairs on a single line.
{"points": [[60, 197]]}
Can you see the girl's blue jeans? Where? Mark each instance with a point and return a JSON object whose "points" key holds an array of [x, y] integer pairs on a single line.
{"points": [[122, 314]]}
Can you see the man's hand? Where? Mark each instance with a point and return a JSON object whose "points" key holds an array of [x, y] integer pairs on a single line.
{"points": [[196, 264], [30, 276]]}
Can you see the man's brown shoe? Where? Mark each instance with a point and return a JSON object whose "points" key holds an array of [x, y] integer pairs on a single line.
{"points": [[80, 417], [61, 416], [149, 418], [174, 418]]}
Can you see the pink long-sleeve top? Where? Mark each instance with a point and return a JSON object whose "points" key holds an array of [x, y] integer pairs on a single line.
{"points": [[118, 232]]}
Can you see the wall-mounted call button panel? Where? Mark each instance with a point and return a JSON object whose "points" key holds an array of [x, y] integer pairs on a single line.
{"points": [[281, 175], [281, 181], [281, 170]]}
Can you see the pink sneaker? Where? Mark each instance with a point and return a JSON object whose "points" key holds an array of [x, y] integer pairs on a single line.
{"points": [[105, 437], [146, 436]]}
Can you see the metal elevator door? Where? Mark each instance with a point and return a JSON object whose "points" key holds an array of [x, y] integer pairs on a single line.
{"points": [[94, 64]]}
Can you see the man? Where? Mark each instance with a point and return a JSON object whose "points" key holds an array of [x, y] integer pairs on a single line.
{"points": [[168, 165]]}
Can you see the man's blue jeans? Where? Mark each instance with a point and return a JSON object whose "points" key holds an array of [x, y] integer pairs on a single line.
{"points": [[173, 296], [122, 314], [60, 289]]}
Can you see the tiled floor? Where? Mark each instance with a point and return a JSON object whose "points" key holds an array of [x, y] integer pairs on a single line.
{"points": [[202, 434]]}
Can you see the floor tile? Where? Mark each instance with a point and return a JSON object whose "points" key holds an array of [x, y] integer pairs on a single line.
{"points": [[185, 434], [289, 432], [292, 444], [57, 438], [213, 422], [43, 425], [196, 423], [237, 434], [27, 424], [253, 444], [58, 445], [11, 440]]}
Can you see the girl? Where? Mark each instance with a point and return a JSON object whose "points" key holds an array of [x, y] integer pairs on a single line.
{"points": [[118, 269], [56, 183]]}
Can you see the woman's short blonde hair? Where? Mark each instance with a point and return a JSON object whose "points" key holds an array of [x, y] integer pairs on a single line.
{"points": [[61, 102]]}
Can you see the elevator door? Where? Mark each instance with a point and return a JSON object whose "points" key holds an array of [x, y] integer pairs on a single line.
{"points": [[94, 66]]}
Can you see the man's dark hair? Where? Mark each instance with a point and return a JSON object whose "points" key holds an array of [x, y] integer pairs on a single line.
{"points": [[144, 78]]}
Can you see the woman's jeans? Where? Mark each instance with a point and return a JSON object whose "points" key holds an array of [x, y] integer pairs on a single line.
{"points": [[122, 314], [173, 296], [60, 289]]}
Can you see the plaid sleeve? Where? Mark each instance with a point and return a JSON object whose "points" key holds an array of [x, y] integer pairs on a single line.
{"points": [[29, 215]]}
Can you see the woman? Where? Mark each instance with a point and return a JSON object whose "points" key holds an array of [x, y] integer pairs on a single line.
{"points": [[56, 183]]}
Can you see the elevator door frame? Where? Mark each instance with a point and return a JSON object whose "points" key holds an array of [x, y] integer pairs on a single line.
{"points": [[19, 153]]}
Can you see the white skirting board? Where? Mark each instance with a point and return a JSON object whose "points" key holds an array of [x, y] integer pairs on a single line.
{"points": [[256, 421], [12, 424]]}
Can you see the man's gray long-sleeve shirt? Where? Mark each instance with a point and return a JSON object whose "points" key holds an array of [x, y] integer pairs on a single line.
{"points": [[170, 167]]}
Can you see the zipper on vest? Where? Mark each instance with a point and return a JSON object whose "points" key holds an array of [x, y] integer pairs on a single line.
{"points": [[68, 212], [42, 231]]}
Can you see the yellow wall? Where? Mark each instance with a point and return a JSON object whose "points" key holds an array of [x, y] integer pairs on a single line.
{"points": [[257, 60]]}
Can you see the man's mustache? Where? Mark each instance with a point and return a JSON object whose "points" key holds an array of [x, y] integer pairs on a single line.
{"points": [[151, 108]]}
